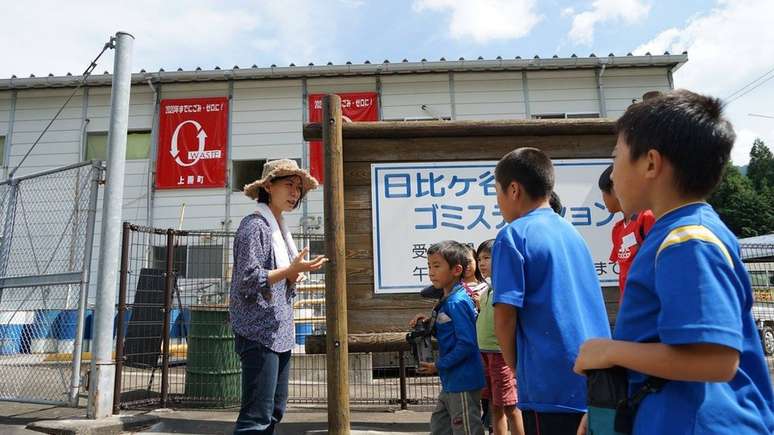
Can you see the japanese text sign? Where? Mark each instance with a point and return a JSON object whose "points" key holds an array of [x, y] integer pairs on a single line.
{"points": [[192, 143], [417, 204], [355, 107]]}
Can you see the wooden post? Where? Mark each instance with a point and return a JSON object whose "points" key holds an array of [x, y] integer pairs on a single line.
{"points": [[335, 274]]}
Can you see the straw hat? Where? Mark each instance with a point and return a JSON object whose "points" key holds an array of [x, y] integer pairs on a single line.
{"points": [[280, 168]]}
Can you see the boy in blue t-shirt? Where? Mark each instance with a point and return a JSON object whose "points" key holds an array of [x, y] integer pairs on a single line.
{"points": [[686, 315], [547, 296], [459, 363]]}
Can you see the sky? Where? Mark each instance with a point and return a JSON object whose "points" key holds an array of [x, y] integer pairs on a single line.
{"points": [[730, 43]]}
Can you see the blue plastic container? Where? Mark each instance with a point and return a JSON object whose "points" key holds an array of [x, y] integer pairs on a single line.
{"points": [[302, 330]]}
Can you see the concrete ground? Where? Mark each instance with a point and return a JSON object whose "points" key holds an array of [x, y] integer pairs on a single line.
{"points": [[14, 417], [297, 421]]}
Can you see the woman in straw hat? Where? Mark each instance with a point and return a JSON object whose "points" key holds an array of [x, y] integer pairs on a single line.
{"points": [[267, 266]]}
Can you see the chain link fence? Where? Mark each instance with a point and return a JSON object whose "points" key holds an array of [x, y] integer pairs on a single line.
{"points": [[759, 260], [47, 222], [181, 279]]}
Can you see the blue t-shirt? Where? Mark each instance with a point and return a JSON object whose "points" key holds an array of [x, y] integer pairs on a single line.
{"points": [[687, 285], [542, 266], [459, 362]]}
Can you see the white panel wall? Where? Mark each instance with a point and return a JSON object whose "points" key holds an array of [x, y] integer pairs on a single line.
{"points": [[623, 85], [267, 119], [266, 124], [567, 91], [5, 107], [483, 96], [403, 96], [338, 85], [61, 144]]}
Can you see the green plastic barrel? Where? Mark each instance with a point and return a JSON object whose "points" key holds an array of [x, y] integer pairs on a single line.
{"points": [[213, 372]]}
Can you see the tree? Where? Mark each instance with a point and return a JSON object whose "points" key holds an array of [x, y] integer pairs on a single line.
{"points": [[761, 168], [746, 212]]}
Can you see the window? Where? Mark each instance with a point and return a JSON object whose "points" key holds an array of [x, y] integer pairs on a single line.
{"points": [[192, 262], [761, 278], [564, 115], [159, 259], [247, 171], [205, 261], [137, 145], [2, 150]]}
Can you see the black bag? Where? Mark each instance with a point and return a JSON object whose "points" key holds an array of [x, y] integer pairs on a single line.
{"points": [[611, 411]]}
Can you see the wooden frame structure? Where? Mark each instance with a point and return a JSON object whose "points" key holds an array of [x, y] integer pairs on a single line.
{"points": [[355, 316]]}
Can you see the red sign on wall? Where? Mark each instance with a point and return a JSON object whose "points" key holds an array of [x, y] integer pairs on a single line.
{"points": [[193, 134], [355, 107]]}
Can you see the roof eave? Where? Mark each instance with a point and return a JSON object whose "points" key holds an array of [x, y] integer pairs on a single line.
{"points": [[291, 72]]}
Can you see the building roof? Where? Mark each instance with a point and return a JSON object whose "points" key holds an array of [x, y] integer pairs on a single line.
{"points": [[671, 61], [766, 239]]}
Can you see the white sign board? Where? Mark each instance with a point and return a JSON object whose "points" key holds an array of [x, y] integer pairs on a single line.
{"points": [[418, 204]]}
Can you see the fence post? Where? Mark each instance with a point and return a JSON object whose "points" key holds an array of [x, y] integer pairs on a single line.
{"points": [[120, 324], [83, 296], [335, 274], [10, 217], [169, 285], [402, 374]]}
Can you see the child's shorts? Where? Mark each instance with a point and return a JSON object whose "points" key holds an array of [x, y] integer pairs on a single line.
{"points": [[500, 383]]}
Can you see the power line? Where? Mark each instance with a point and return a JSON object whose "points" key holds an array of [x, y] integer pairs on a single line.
{"points": [[86, 74], [749, 87]]}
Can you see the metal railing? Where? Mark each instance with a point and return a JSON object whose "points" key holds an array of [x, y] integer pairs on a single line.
{"points": [[46, 244], [181, 279], [759, 261]]}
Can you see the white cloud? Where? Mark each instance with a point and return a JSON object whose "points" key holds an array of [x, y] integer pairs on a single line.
{"points": [[566, 12], [485, 20], [728, 47], [43, 37], [603, 11]]}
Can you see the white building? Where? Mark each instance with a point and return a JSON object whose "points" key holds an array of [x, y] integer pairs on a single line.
{"points": [[269, 106]]}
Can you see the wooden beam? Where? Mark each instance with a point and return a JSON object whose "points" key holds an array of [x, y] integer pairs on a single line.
{"points": [[439, 149], [511, 127], [382, 342], [335, 273]]}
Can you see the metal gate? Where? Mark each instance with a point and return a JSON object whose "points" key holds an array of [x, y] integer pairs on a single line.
{"points": [[47, 221]]}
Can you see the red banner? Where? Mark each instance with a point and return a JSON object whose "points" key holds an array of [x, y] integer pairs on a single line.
{"points": [[355, 107], [193, 134]]}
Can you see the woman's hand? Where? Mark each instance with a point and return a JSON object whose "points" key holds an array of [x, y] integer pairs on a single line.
{"points": [[300, 264]]}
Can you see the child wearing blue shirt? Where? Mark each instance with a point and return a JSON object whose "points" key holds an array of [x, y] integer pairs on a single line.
{"points": [[546, 295], [686, 315], [459, 363]]}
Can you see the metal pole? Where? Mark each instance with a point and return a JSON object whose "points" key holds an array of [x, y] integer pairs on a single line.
{"points": [[335, 273], [169, 285], [75, 379], [10, 217], [102, 364], [402, 368], [229, 157], [9, 134], [152, 156], [120, 324]]}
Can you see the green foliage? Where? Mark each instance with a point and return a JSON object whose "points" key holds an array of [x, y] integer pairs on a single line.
{"points": [[746, 203]]}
